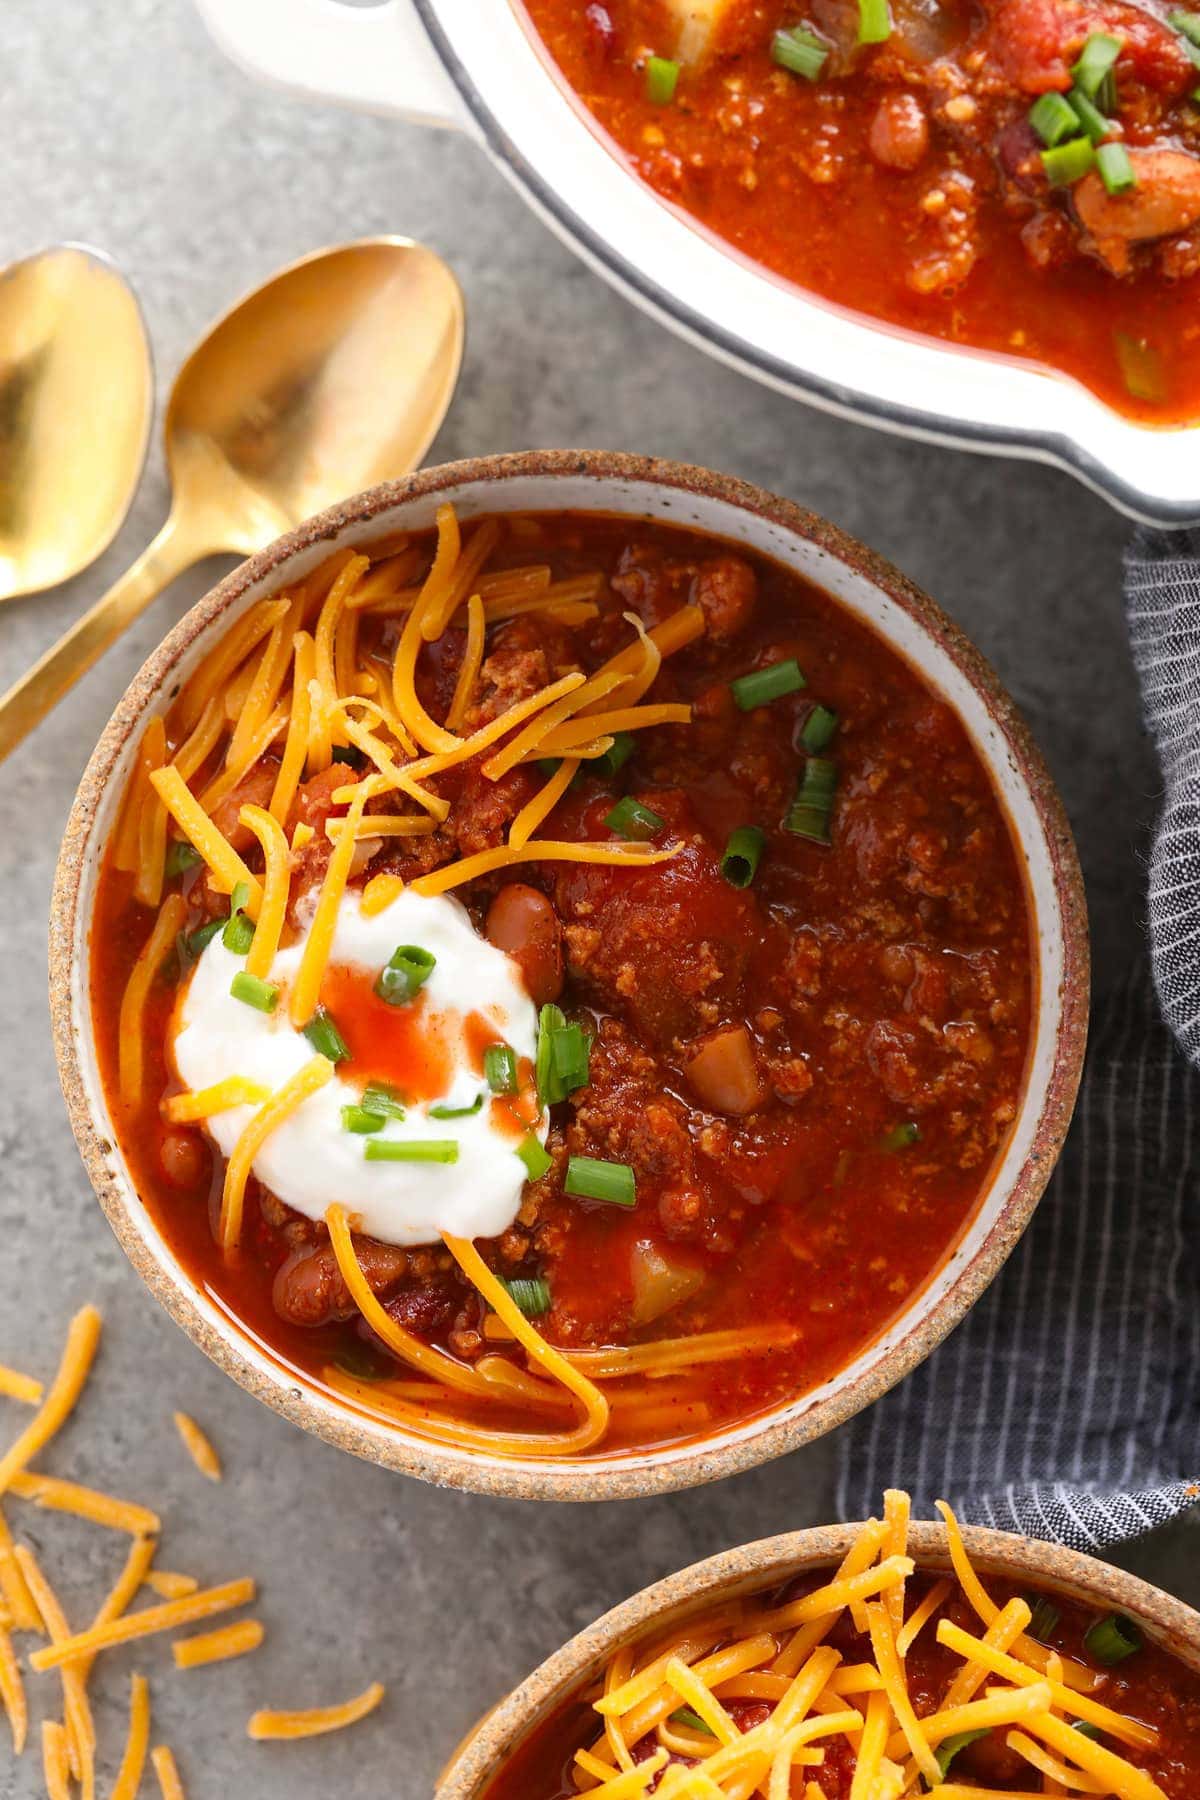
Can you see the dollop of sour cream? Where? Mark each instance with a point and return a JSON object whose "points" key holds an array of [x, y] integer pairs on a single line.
{"points": [[429, 1050]]}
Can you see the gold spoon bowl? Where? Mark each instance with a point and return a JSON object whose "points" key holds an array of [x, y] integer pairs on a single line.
{"points": [[76, 399], [333, 376]]}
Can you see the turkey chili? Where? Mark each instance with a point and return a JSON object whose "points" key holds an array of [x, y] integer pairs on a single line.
{"points": [[563, 983], [1020, 176]]}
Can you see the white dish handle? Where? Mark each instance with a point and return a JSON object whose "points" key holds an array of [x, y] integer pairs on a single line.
{"points": [[376, 58]]}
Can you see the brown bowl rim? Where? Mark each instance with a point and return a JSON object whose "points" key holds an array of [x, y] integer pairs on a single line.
{"points": [[1078, 1577], [759, 1440]]}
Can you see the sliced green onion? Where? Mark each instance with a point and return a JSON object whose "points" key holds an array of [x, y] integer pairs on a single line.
{"points": [[570, 1052], [819, 728], [1086, 1729], [238, 934], [949, 1747], [563, 1051], [1187, 24], [417, 1150], [263, 996], [762, 686], [407, 971], [800, 52], [1068, 163], [203, 936], [378, 1098], [662, 78], [739, 865], [693, 1721], [457, 1112], [325, 1037], [1044, 1617], [900, 1137], [1112, 1639], [536, 1159], [874, 22], [809, 814], [181, 856], [500, 1068], [1053, 118], [590, 1179], [1116, 169], [615, 757], [1141, 367], [1096, 62], [531, 1294], [630, 819], [362, 1121], [550, 1019], [1094, 123]]}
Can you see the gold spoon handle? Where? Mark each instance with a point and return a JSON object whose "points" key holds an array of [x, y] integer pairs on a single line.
{"points": [[29, 700]]}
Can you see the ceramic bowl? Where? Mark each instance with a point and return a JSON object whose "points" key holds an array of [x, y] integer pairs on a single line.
{"points": [[871, 590], [769, 1564]]}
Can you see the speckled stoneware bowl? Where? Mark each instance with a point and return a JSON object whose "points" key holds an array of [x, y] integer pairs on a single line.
{"points": [[870, 589], [769, 1564]]}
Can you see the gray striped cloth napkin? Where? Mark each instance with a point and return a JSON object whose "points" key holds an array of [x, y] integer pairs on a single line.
{"points": [[1067, 1405]]}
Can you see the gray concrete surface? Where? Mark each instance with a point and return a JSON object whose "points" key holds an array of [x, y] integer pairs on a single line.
{"points": [[123, 127]]}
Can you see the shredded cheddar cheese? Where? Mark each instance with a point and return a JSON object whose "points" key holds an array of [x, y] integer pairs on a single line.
{"points": [[295, 749], [133, 1762], [440, 881], [191, 818], [170, 1786], [235, 1090], [276, 1726], [379, 893], [282, 1104], [542, 805], [131, 1034], [468, 673], [218, 666], [198, 1447], [68, 1496], [12, 1692], [218, 1646], [83, 1338], [16, 1386], [171, 1586], [56, 1769], [306, 989], [276, 887], [748, 1649], [129, 1626]]}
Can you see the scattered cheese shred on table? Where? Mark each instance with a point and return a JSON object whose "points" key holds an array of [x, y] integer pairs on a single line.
{"points": [[198, 1447], [218, 1646], [273, 1726], [19, 1387], [169, 1784], [170, 1586], [29, 1603], [133, 1762]]}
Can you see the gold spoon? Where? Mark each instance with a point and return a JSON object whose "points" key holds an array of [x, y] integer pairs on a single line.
{"points": [[76, 399], [333, 376]]}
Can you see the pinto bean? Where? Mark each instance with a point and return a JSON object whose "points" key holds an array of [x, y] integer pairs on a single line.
{"points": [[1165, 201], [184, 1159], [899, 133], [309, 1290], [522, 921]]}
